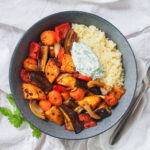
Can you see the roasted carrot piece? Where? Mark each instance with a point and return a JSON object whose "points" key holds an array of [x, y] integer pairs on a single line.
{"points": [[51, 70], [48, 37], [118, 91], [30, 64], [45, 105], [77, 93], [67, 64], [110, 99], [55, 98]]}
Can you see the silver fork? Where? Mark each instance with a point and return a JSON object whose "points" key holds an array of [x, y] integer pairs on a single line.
{"points": [[117, 132]]}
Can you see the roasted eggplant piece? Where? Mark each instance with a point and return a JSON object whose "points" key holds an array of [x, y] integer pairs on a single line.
{"points": [[43, 58], [36, 109], [71, 103], [71, 115], [95, 90], [55, 115], [41, 81], [103, 110], [81, 83], [32, 92], [51, 70], [70, 38]]}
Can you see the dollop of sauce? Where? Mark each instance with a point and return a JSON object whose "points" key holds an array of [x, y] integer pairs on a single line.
{"points": [[86, 61]]}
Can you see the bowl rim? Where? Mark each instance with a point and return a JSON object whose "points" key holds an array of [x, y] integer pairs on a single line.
{"points": [[90, 14]]}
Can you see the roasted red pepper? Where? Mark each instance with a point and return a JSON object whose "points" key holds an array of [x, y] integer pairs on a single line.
{"points": [[82, 77], [25, 75], [89, 124], [61, 31], [34, 50], [110, 99], [59, 88], [84, 117], [61, 55]]}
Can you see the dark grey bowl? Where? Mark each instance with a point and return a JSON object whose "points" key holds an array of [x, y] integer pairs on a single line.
{"points": [[21, 53]]}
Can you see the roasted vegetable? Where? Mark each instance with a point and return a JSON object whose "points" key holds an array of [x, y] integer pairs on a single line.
{"points": [[70, 38], [34, 50], [48, 37], [30, 64], [90, 124], [67, 64], [82, 77], [65, 95], [93, 101], [71, 103], [68, 124], [55, 115], [78, 109], [69, 114], [93, 83], [66, 80], [118, 91], [61, 55], [59, 88], [57, 47], [38, 79], [103, 91], [36, 109], [77, 93], [43, 58], [25, 75], [32, 92], [103, 110], [44, 105], [84, 117], [61, 31], [81, 83], [52, 51], [95, 90], [55, 98], [51, 70], [110, 99]]}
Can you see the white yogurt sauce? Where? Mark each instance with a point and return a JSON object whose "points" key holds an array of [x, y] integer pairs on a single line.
{"points": [[86, 61]]}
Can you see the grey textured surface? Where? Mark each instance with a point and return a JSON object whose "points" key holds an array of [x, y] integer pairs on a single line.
{"points": [[21, 53]]}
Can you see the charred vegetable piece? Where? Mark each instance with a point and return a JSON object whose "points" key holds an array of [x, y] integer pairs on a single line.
{"points": [[32, 92], [59, 88], [30, 64], [52, 51], [93, 83], [55, 98], [95, 90], [43, 58], [65, 95], [118, 91], [61, 55], [73, 116], [110, 100], [48, 37], [71, 103], [36, 109], [90, 124], [93, 101], [68, 124], [70, 38], [82, 77], [61, 31], [44, 105], [25, 75], [78, 109], [66, 80], [67, 64], [51, 70], [38, 79], [81, 83], [77, 93], [55, 115], [103, 110], [34, 50], [84, 117]]}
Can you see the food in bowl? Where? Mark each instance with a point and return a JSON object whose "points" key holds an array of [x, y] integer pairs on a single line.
{"points": [[73, 76]]}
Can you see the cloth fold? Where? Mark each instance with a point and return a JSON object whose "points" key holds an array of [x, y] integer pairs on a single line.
{"points": [[129, 16]]}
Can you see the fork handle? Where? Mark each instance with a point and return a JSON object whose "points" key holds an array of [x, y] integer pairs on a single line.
{"points": [[116, 134]]}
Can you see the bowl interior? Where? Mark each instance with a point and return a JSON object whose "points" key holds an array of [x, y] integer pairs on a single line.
{"points": [[21, 53]]}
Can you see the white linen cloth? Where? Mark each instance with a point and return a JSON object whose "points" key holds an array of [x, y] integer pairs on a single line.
{"points": [[131, 17]]}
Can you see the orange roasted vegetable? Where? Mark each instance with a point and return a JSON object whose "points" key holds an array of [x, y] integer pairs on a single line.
{"points": [[67, 64], [65, 95], [48, 37], [45, 105], [55, 98], [52, 51], [32, 92], [118, 91], [55, 115], [110, 100], [77, 93], [30, 64], [51, 70]]}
